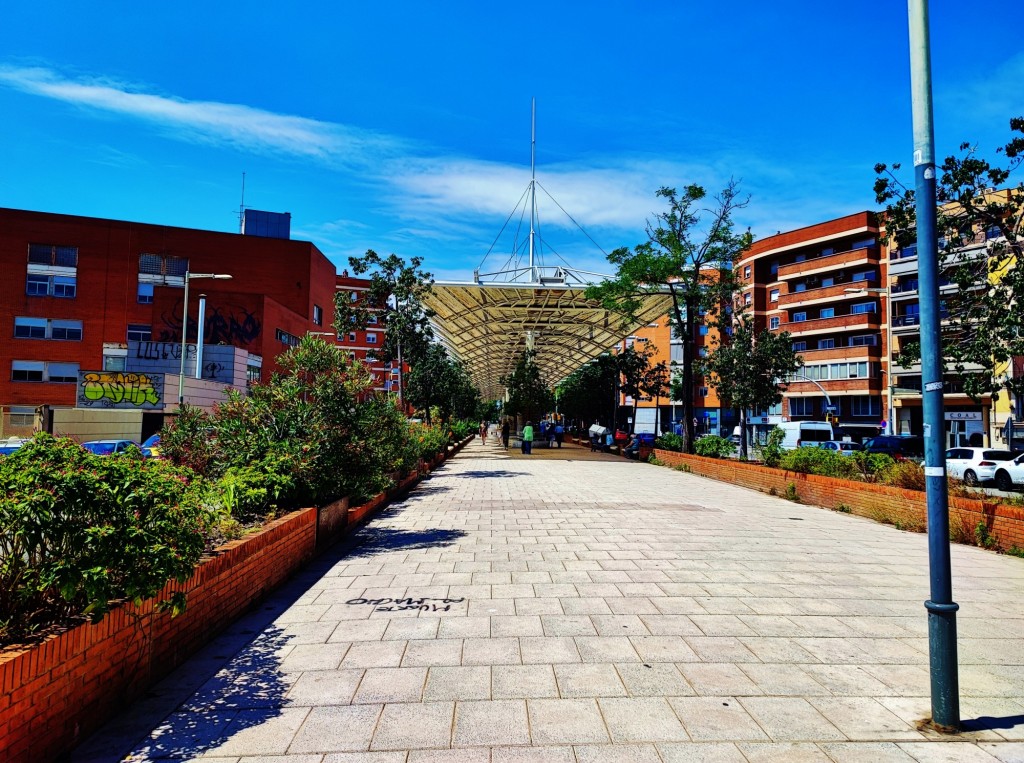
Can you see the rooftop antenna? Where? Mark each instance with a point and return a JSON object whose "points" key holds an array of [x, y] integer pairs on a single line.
{"points": [[533, 180], [241, 208]]}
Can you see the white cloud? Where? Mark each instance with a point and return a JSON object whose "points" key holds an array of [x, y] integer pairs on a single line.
{"points": [[229, 123]]}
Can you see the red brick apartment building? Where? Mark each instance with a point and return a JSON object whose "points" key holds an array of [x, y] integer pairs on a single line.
{"points": [[826, 285], [361, 344], [76, 290]]}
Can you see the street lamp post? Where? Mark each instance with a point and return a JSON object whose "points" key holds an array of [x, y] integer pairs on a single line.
{"points": [[890, 413], [184, 327]]}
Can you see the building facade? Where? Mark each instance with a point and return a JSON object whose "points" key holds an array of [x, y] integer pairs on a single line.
{"points": [[826, 285], [79, 294]]}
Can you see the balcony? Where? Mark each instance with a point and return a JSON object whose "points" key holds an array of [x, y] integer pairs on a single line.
{"points": [[861, 352], [824, 294], [852, 322], [839, 260]]}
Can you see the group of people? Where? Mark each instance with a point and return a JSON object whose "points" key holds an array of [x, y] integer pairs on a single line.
{"points": [[550, 430]]}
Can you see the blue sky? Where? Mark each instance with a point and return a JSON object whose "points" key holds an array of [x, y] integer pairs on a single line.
{"points": [[405, 127]]}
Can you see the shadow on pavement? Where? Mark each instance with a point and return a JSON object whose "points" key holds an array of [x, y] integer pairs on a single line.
{"points": [[486, 473], [987, 722], [378, 540]]}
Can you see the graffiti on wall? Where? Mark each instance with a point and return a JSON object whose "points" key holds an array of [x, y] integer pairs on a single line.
{"points": [[118, 389], [231, 324]]}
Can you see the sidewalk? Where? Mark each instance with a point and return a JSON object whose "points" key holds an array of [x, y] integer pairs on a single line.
{"points": [[562, 608]]}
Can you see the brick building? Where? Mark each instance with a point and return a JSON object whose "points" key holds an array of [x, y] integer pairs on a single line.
{"points": [[826, 285], [77, 290]]}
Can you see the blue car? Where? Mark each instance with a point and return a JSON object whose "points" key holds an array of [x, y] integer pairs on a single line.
{"points": [[7, 447], [108, 447], [151, 447]]}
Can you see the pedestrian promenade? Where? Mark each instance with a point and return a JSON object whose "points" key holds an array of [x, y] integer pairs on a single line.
{"points": [[569, 606]]}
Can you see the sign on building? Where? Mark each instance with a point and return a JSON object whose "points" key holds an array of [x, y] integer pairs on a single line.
{"points": [[120, 389]]}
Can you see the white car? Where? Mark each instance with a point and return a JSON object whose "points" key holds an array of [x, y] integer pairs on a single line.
{"points": [[975, 465], [841, 446], [1010, 473]]}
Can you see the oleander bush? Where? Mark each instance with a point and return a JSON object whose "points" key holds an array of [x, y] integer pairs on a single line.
{"points": [[827, 463], [713, 446], [78, 531], [670, 441]]}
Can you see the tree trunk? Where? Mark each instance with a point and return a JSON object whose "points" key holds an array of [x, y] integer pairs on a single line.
{"points": [[690, 323], [743, 434]]}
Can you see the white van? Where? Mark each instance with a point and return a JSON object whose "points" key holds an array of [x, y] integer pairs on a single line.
{"points": [[800, 434]]}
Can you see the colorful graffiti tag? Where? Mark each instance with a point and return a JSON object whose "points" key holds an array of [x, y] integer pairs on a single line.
{"points": [[118, 389]]}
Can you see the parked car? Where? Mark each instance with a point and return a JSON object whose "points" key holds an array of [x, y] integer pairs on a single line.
{"points": [[900, 447], [975, 465], [1010, 474], [8, 446], [841, 446], [804, 434], [151, 447], [108, 447]]}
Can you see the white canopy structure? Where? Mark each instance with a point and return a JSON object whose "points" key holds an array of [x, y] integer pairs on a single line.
{"points": [[490, 324]]}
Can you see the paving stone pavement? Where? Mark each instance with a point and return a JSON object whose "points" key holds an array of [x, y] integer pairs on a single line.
{"points": [[588, 609]]}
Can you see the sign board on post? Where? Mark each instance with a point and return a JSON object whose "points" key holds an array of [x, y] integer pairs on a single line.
{"points": [[963, 415], [120, 389]]}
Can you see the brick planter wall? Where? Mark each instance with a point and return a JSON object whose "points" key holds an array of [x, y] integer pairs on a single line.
{"points": [[55, 693], [1005, 523]]}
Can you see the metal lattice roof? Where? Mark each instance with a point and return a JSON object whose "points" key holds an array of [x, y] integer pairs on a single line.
{"points": [[489, 326]]}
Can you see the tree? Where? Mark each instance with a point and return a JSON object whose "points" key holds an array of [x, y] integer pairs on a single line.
{"points": [[655, 384], [395, 299], [635, 368], [528, 395], [748, 370], [587, 394], [980, 228], [689, 253]]}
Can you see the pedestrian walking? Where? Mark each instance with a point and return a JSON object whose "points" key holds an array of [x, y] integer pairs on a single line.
{"points": [[483, 432], [559, 433], [505, 432], [528, 438]]}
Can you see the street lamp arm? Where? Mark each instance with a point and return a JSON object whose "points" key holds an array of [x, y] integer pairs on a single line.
{"points": [[801, 377]]}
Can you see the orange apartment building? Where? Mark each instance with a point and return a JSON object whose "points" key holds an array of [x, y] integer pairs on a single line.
{"points": [[711, 417], [826, 285]]}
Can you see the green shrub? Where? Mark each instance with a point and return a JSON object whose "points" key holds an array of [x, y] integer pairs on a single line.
{"points": [[428, 441], [827, 463], [903, 474], [983, 537], [791, 494], [460, 430], [870, 464], [771, 451], [713, 446], [78, 531], [670, 441]]}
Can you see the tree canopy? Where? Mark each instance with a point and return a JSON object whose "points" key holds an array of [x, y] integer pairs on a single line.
{"points": [[980, 227], [528, 395], [689, 253]]}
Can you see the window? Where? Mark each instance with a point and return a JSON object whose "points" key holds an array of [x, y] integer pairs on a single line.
{"points": [[864, 243], [371, 339], [41, 328], [162, 269], [702, 391], [862, 307], [30, 328], [864, 340], [352, 336], [799, 317], [253, 374], [865, 405], [287, 339], [354, 296], [318, 315], [827, 312], [800, 287], [773, 322], [773, 295], [799, 346], [993, 231], [42, 285], [801, 406], [747, 298], [55, 256], [145, 294], [863, 275], [703, 352], [21, 416], [39, 371], [746, 272], [826, 344], [800, 258], [139, 333], [114, 362], [372, 320], [828, 281], [828, 251], [703, 329], [774, 268]]}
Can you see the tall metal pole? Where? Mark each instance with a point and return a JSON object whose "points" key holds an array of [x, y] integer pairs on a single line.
{"points": [[533, 180], [941, 607], [199, 336], [184, 336], [891, 413]]}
